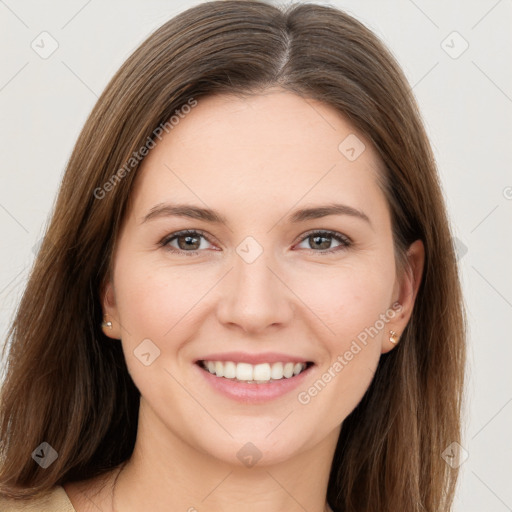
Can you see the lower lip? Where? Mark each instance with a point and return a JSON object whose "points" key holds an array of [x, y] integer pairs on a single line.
{"points": [[253, 393]]}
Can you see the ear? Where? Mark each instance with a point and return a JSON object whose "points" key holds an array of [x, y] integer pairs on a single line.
{"points": [[405, 292], [110, 313]]}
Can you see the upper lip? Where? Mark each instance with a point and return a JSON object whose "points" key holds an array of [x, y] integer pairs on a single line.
{"points": [[262, 357]]}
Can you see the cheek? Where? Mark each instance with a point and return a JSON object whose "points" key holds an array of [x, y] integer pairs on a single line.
{"points": [[347, 299], [152, 297], [350, 304], [155, 302]]}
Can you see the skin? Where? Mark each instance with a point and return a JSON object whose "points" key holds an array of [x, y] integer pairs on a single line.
{"points": [[255, 160]]}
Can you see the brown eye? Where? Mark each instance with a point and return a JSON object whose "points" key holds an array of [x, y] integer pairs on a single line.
{"points": [[321, 241], [189, 242]]}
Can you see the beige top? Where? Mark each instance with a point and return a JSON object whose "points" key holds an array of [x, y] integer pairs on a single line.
{"points": [[55, 501]]}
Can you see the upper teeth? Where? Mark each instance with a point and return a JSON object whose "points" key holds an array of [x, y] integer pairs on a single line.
{"points": [[263, 372]]}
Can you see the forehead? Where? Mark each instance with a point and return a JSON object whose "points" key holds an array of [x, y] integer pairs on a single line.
{"points": [[262, 151]]}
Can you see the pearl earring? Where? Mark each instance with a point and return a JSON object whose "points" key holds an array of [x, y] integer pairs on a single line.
{"points": [[393, 336], [107, 324]]}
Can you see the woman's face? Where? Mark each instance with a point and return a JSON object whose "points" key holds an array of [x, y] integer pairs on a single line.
{"points": [[257, 278]]}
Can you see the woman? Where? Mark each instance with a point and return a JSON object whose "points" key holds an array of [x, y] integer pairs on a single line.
{"points": [[248, 293]]}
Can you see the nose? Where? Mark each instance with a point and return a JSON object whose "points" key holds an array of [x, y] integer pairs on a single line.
{"points": [[255, 297]]}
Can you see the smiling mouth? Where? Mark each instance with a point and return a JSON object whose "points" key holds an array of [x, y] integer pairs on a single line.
{"points": [[264, 373]]}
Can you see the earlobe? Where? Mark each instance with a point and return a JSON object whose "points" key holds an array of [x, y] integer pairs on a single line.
{"points": [[110, 325], [408, 285]]}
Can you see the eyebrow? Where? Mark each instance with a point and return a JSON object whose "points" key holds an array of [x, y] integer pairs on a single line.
{"points": [[209, 215], [184, 210]]}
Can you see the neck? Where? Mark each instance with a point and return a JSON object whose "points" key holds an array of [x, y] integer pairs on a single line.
{"points": [[168, 473]]}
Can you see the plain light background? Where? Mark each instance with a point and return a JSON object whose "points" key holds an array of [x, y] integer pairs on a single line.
{"points": [[457, 57]]}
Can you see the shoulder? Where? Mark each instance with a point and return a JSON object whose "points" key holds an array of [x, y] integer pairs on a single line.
{"points": [[56, 500]]}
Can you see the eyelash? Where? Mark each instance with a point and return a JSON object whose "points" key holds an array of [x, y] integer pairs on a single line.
{"points": [[345, 241]]}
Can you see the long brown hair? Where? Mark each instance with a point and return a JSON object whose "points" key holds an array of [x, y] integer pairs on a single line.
{"points": [[67, 383]]}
